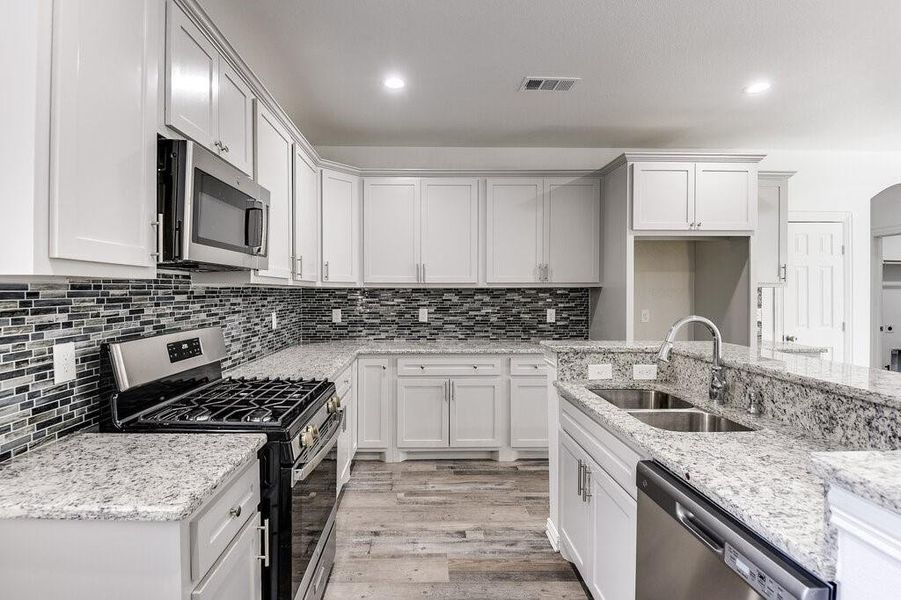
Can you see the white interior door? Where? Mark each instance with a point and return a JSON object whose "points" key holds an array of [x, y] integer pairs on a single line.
{"points": [[450, 230], [815, 292], [422, 414], [391, 219]]}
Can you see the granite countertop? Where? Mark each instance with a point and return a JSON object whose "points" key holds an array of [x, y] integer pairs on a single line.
{"points": [[121, 476], [326, 360], [764, 477], [876, 386], [871, 474]]}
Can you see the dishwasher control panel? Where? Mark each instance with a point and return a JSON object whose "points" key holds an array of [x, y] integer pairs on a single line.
{"points": [[756, 578]]}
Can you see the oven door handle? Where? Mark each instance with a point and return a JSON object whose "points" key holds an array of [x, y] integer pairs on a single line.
{"points": [[304, 472]]}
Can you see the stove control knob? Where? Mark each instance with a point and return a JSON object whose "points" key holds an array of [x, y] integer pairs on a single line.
{"points": [[309, 436], [334, 404]]}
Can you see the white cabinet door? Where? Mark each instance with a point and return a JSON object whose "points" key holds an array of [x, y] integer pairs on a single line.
{"points": [[771, 237], [450, 230], [373, 403], [476, 412], [572, 223], [340, 227], [103, 131], [306, 218], [725, 197], [235, 102], [514, 230], [576, 530], [391, 220], [528, 412], [238, 574], [422, 413], [192, 70], [615, 517], [273, 172], [663, 195]]}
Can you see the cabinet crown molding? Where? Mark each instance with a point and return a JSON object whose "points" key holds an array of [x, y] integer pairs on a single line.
{"points": [[700, 157]]}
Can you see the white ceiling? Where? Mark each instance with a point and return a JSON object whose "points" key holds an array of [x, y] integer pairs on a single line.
{"points": [[655, 73]]}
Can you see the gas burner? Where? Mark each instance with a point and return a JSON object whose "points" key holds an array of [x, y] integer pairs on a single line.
{"points": [[198, 414], [259, 415]]}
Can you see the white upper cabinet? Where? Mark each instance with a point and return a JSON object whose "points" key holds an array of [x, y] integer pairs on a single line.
{"points": [[103, 132], [273, 172], [235, 118], [306, 218], [450, 230], [340, 227], [663, 195], [771, 238], [391, 230], [694, 196], [515, 236], [206, 99], [572, 227], [725, 196]]}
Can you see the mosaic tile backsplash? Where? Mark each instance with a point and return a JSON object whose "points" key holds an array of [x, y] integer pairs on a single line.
{"points": [[35, 316]]}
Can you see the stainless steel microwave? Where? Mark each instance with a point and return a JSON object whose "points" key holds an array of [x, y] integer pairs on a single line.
{"points": [[212, 217]]}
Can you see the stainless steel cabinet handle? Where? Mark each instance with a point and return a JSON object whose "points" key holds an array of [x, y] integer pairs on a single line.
{"points": [[579, 478], [698, 225], [423, 272], [159, 237], [783, 272], [417, 273], [446, 392], [586, 486], [218, 144], [225, 148], [300, 266], [325, 271], [265, 529], [453, 391]]}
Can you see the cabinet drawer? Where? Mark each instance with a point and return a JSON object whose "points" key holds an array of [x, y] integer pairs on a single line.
{"points": [[344, 381], [238, 574], [450, 366], [612, 455], [528, 365], [214, 529]]}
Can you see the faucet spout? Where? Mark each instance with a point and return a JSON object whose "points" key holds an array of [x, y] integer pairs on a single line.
{"points": [[717, 390]]}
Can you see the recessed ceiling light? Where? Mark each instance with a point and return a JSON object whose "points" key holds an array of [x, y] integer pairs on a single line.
{"points": [[394, 82], [758, 87]]}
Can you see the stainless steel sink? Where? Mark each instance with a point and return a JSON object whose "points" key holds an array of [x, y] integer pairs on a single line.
{"points": [[692, 421], [642, 399]]}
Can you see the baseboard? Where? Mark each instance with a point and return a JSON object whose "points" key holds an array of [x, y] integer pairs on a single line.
{"points": [[552, 535]]}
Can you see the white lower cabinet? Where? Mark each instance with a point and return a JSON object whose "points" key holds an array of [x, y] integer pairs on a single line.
{"points": [[373, 403], [345, 387], [238, 574], [422, 413], [528, 412], [598, 516], [476, 412]]}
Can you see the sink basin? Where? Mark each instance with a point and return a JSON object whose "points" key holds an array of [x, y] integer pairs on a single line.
{"points": [[642, 399], [689, 421]]}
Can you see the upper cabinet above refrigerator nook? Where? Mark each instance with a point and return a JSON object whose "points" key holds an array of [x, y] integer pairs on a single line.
{"points": [[692, 195], [206, 99]]}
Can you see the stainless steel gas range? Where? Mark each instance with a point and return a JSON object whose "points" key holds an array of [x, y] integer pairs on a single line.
{"points": [[174, 382]]}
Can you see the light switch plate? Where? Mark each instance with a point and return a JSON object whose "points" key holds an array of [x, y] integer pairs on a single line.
{"points": [[644, 372], [552, 315], [63, 362], [423, 315], [274, 320], [645, 315], [603, 371], [336, 315]]}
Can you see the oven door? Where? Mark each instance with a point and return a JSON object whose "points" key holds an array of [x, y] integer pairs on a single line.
{"points": [[314, 499]]}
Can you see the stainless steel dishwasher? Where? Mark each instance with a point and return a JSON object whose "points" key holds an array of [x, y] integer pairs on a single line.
{"points": [[689, 549]]}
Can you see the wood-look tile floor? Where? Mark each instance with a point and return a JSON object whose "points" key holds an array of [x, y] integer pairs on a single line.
{"points": [[448, 530]]}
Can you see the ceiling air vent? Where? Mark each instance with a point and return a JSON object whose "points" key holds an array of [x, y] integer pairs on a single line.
{"points": [[548, 84]]}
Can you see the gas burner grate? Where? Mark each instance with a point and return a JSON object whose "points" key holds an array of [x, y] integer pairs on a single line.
{"points": [[241, 401]]}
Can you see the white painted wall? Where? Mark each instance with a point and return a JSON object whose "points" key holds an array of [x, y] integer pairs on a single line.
{"points": [[825, 181], [664, 286]]}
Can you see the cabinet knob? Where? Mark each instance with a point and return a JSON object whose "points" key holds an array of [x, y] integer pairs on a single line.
{"points": [[235, 512]]}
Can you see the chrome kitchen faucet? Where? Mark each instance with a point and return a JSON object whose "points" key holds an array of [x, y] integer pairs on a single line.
{"points": [[717, 390]]}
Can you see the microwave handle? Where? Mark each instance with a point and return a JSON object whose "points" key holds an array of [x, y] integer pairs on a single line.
{"points": [[254, 228]]}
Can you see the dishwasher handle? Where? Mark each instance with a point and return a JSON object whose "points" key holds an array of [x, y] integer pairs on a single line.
{"points": [[694, 526]]}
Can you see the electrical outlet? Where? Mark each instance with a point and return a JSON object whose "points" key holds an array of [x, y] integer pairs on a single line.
{"points": [[336, 315], [274, 320], [645, 315], [644, 372], [63, 362], [423, 315], [552, 315], [603, 371]]}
